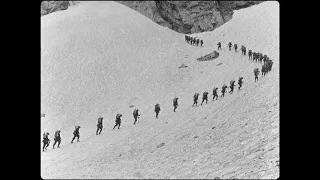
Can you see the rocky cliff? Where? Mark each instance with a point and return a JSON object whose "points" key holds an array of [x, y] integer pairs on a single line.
{"points": [[182, 16]]}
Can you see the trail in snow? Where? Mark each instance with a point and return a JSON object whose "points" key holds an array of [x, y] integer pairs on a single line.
{"points": [[100, 57]]}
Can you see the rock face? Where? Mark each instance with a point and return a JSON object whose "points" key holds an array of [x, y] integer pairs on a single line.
{"points": [[213, 55], [182, 16]]}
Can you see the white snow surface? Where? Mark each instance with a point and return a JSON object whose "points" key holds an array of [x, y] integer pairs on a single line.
{"points": [[98, 58]]}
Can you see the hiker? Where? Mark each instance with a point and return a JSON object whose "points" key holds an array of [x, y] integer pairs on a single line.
{"points": [[231, 86], [99, 125], [250, 54], [240, 82], [205, 97], [223, 90], [157, 109], [76, 133], [57, 138], [256, 73], [229, 45], [193, 41], [46, 141], [195, 99], [235, 47], [135, 115], [175, 104], [254, 56], [118, 121], [197, 42], [201, 42], [186, 38], [215, 94], [244, 51], [219, 45], [242, 48]]}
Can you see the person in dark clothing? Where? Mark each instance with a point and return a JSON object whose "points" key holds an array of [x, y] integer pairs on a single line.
{"points": [[229, 46], [76, 133], [136, 115], [195, 99], [175, 104], [223, 90], [201, 42], [250, 54], [231, 86], [240, 82], [219, 45], [99, 125], [157, 109], [235, 47], [205, 97], [118, 121], [57, 138], [198, 42], [256, 73], [46, 141], [215, 94]]}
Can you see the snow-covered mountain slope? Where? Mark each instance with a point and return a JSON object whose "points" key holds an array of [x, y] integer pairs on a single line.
{"points": [[99, 58]]}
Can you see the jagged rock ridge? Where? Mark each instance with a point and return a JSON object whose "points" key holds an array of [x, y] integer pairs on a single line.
{"points": [[182, 16]]}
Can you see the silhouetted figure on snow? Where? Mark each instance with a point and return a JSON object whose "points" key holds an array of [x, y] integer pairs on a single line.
{"points": [[198, 42], [214, 93], [118, 121], [223, 90], [219, 45], [76, 133], [250, 54], [240, 82], [157, 109], [201, 42], [263, 70], [45, 140], [205, 97], [99, 125], [256, 73], [175, 104], [136, 115], [195, 99], [57, 138], [231, 86], [235, 47], [229, 46]]}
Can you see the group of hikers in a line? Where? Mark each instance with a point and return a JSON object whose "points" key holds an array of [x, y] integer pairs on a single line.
{"points": [[255, 57], [193, 40], [267, 66]]}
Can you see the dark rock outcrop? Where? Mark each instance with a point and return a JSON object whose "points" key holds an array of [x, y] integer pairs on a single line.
{"points": [[182, 16]]}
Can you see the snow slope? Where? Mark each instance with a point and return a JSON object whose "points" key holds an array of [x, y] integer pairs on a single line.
{"points": [[99, 58]]}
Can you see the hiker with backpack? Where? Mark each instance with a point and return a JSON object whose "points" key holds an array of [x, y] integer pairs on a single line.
{"points": [[195, 99], [219, 45], [157, 109], [240, 82], [214, 93], [229, 46], [76, 133], [205, 97], [57, 138], [99, 125], [135, 115], [231, 86], [46, 141], [175, 104], [223, 90], [201, 42], [235, 47], [118, 120], [256, 73]]}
